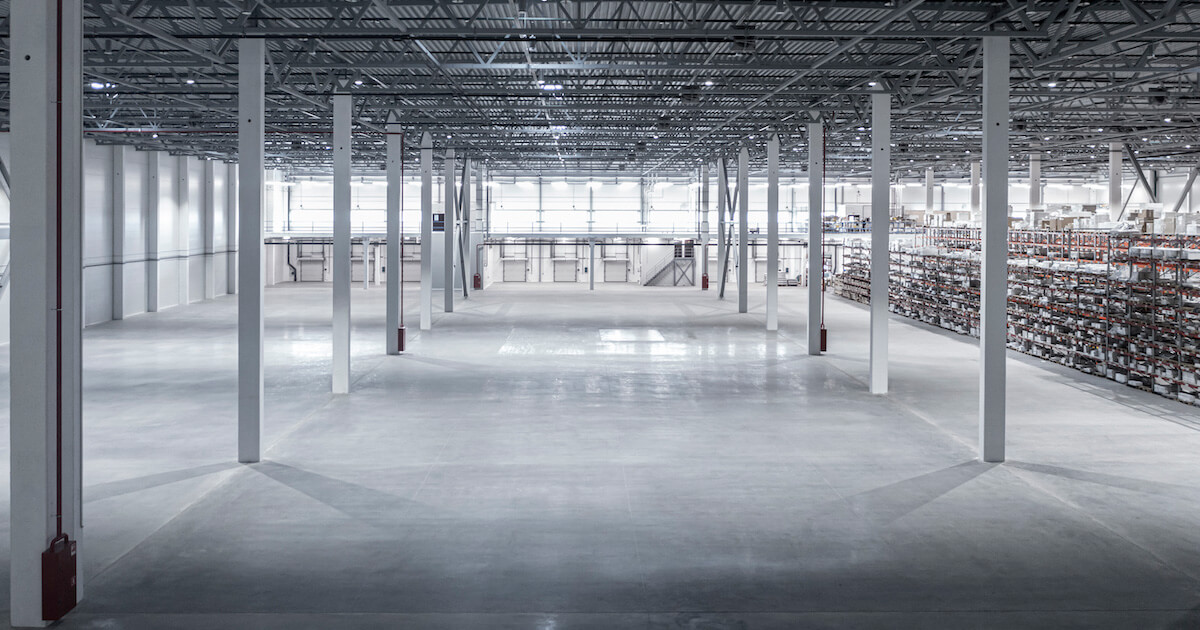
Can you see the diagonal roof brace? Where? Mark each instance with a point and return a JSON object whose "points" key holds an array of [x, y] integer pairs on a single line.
{"points": [[1187, 189], [1137, 166]]}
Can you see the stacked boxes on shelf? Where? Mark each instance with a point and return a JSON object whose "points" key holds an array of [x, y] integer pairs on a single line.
{"points": [[1123, 306]]}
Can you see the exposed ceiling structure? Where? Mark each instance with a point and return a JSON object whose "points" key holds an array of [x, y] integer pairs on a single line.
{"points": [[648, 86]]}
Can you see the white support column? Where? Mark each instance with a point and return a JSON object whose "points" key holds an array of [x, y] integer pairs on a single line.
{"points": [[210, 232], [541, 217], [465, 250], [993, 312], [591, 265], [183, 227], [722, 226], [366, 261], [118, 232], [929, 189], [591, 222], [773, 232], [485, 217], [448, 250], [341, 243], [232, 223], [395, 158], [792, 212], [1115, 200], [743, 187], [477, 212], [46, 317], [881, 170], [152, 249], [816, 247], [426, 231], [976, 200], [377, 264], [704, 223], [643, 207], [1035, 182], [251, 193]]}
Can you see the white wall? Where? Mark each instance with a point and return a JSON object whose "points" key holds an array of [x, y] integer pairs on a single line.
{"points": [[956, 194], [176, 195], [221, 249], [195, 228], [673, 205], [168, 230], [131, 268], [1170, 187], [157, 188], [97, 234], [492, 269], [541, 258]]}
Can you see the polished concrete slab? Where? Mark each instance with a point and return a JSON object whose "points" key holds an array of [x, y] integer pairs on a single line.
{"points": [[549, 457]]}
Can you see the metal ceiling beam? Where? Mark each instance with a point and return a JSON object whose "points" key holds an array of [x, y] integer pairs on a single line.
{"points": [[631, 69], [1141, 175], [896, 14]]}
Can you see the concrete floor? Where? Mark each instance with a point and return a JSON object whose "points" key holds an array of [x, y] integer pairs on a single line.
{"points": [[629, 458]]}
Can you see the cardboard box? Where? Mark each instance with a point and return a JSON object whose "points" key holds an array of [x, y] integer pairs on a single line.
{"points": [[1058, 224]]}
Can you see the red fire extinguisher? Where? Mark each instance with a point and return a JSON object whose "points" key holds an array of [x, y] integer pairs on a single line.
{"points": [[704, 282], [478, 282]]}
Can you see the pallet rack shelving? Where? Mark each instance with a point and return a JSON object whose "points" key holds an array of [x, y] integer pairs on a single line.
{"points": [[1122, 306]]}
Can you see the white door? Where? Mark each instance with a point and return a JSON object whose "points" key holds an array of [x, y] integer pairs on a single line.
{"points": [[514, 271], [616, 271], [564, 271]]}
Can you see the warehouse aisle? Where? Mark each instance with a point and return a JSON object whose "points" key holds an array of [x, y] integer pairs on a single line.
{"points": [[628, 458]]}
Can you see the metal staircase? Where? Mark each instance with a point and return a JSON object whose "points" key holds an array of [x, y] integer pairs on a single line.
{"points": [[680, 270]]}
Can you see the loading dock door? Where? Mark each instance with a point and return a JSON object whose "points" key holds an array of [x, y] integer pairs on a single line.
{"points": [[514, 270], [565, 271], [616, 271]]}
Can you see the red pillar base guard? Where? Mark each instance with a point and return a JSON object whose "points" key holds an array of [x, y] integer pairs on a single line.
{"points": [[59, 588]]}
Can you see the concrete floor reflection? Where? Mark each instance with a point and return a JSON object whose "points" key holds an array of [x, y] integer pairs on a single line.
{"points": [[548, 457]]}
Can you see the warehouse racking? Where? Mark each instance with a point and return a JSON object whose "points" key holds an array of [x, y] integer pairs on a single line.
{"points": [[1123, 306]]}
